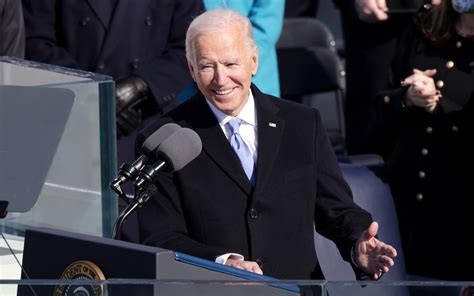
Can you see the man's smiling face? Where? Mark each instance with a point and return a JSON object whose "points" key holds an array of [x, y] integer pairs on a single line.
{"points": [[223, 68]]}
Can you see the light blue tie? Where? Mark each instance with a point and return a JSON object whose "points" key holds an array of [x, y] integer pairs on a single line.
{"points": [[242, 150]]}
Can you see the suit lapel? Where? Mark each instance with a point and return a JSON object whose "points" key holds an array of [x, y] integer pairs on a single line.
{"points": [[104, 9], [270, 131], [215, 144], [117, 15]]}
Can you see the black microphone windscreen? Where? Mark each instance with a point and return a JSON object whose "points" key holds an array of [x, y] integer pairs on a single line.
{"points": [[155, 139], [180, 148]]}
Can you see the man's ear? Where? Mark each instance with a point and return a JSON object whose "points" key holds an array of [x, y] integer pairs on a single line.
{"points": [[191, 71], [255, 61]]}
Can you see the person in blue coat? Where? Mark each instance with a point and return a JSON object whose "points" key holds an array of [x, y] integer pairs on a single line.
{"points": [[139, 43], [266, 17]]}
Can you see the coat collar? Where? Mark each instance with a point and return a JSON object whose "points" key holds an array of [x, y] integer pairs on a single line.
{"points": [[104, 10], [111, 15]]}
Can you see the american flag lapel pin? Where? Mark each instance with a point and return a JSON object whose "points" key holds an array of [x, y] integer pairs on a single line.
{"points": [[272, 124]]}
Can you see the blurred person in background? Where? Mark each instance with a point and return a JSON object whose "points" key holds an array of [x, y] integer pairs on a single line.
{"points": [[424, 130], [139, 43], [371, 29]]}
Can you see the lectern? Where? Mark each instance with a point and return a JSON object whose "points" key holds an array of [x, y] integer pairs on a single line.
{"points": [[48, 253]]}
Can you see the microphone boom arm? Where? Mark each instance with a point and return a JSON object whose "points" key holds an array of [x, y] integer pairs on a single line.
{"points": [[144, 194]]}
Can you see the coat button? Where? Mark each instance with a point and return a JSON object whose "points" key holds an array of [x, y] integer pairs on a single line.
{"points": [[424, 151], [429, 130], [135, 63], [458, 44], [439, 84], [85, 21], [455, 129], [253, 213], [259, 262], [419, 197], [421, 174], [169, 97], [148, 21], [449, 64], [101, 66], [386, 99]]}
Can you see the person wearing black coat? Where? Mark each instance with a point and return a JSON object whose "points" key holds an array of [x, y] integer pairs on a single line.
{"points": [[424, 130], [139, 43], [371, 29], [211, 209]]}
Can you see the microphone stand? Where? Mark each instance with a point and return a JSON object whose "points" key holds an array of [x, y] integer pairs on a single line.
{"points": [[144, 189], [126, 172]]}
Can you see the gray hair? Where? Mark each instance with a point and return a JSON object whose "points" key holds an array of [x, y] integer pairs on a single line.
{"points": [[216, 21]]}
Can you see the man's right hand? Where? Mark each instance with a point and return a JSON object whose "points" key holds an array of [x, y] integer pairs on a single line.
{"points": [[371, 11], [245, 265]]}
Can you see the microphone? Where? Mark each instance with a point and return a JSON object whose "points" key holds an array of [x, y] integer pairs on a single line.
{"points": [[128, 172], [174, 153]]}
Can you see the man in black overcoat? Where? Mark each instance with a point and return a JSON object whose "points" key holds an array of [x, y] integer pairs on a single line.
{"points": [[213, 210]]}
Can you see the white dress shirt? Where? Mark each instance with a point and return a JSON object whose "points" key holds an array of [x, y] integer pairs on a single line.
{"points": [[248, 132], [248, 128]]}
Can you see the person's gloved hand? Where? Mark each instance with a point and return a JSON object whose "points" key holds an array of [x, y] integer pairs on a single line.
{"points": [[130, 91]]}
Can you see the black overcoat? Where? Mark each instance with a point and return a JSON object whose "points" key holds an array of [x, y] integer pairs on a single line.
{"points": [[209, 207]]}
